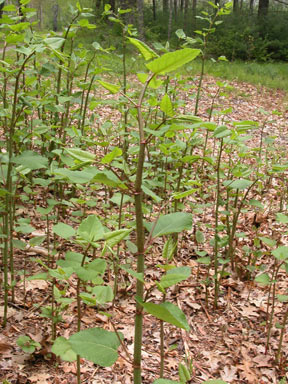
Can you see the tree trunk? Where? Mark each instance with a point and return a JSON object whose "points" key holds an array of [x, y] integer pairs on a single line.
{"points": [[251, 6], [235, 5], [186, 8], [170, 18], [1, 8], [263, 7], [140, 14], [154, 9], [165, 6], [175, 9], [55, 16]]}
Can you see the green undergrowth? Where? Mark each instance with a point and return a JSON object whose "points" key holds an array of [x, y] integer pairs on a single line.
{"points": [[270, 75]]}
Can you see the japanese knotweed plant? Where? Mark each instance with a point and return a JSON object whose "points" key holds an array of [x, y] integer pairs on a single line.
{"points": [[94, 344], [271, 279], [202, 40], [176, 222]]}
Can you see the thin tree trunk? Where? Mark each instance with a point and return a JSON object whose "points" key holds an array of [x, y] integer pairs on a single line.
{"points": [[55, 16], [154, 9], [251, 6], [140, 12], [1, 8], [165, 5], [263, 8], [170, 18]]}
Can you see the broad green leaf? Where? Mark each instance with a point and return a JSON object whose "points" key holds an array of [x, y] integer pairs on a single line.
{"points": [[181, 195], [269, 242], [240, 184], [96, 345], [167, 312], [166, 105], [150, 193], [80, 155], [72, 260], [263, 279], [31, 160], [166, 381], [54, 42], [172, 60], [77, 177], [174, 276], [184, 374], [282, 298], [109, 179], [110, 87], [281, 253], [91, 229], [281, 218], [103, 294], [63, 349], [107, 159], [200, 238], [64, 230], [168, 249], [91, 271], [145, 51], [117, 197], [221, 132], [171, 223], [114, 237]]}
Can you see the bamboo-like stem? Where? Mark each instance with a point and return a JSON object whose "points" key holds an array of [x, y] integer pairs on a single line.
{"points": [[140, 239], [216, 285]]}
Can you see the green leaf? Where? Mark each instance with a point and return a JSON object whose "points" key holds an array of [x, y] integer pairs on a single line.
{"points": [[96, 345], [31, 160], [143, 48], [181, 195], [150, 193], [27, 344], [138, 276], [81, 155], [281, 253], [64, 230], [168, 249], [91, 271], [72, 260], [167, 312], [77, 177], [114, 237], [266, 240], [239, 184], [107, 159], [281, 218], [171, 223], [54, 42], [263, 279], [184, 373], [103, 294], [174, 276], [91, 229], [63, 348], [221, 132], [172, 60], [200, 238], [166, 105], [282, 298], [166, 381], [110, 87]]}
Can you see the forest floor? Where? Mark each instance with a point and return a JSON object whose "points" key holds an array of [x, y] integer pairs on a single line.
{"points": [[227, 343]]}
